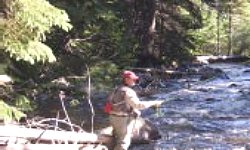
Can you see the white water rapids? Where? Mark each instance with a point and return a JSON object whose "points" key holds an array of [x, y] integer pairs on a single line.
{"points": [[209, 115]]}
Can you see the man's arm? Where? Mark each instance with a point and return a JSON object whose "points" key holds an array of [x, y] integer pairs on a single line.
{"points": [[133, 100]]}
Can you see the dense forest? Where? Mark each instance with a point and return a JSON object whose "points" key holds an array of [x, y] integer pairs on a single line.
{"points": [[126, 33], [45, 40]]}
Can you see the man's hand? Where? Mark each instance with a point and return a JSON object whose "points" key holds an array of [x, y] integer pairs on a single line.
{"points": [[136, 113], [158, 103], [154, 104]]}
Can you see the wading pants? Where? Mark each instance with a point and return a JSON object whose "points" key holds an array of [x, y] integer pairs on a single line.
{"points": [[123, 128]]}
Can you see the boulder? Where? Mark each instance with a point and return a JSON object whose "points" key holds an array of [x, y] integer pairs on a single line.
{"points": [[212, 73], [144, 132]]}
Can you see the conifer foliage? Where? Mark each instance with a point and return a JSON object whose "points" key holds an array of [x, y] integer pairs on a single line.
{"points": [[27, 23]]}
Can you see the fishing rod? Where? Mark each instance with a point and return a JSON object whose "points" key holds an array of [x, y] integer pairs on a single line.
{"points": [[158, 108]]}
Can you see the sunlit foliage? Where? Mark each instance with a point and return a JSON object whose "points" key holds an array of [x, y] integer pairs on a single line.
{"points": [[27, 23]]}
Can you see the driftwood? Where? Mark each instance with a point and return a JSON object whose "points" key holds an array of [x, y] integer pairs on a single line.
{"points": [[213, 59], [4, 79], [200, 59], [52, 147], [144, 132], [155, 71], [48, 136]]}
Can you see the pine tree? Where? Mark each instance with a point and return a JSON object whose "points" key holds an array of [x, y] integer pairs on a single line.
{"points": [[27, 23]]}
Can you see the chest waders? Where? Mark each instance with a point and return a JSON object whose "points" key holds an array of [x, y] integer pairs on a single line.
{"points": [[125, 124]]}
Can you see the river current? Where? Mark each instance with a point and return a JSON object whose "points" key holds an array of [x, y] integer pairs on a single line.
{"points": [[212, 114]]}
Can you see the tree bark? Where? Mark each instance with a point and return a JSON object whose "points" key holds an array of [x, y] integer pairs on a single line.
{"points": [[52, 147], [218, 50], [230, 51], [146, 13], [48, 136]]}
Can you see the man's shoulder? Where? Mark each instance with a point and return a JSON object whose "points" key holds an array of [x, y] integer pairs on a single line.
{"points": [[126, 89]]}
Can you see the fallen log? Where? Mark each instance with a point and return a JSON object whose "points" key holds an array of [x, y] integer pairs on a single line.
{"points": [[4, 79], [214, 59], [155, 71], [48, 136], [144, 132], [52, 147]]}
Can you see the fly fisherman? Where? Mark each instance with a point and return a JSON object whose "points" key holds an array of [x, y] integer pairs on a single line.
{"points": [[124, 106]]}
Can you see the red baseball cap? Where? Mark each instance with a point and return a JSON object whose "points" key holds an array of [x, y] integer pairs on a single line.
{"points": [[129, 74]]}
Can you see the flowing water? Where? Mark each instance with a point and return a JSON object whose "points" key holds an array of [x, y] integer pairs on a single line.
{"points": [[212, 114], [209, 115]]}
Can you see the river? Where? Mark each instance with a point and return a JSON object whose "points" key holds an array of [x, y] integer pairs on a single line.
{"points": [[206, 115], [210, 114]]}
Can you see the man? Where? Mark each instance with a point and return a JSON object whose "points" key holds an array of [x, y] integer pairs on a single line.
{"points": [[125, 106]]}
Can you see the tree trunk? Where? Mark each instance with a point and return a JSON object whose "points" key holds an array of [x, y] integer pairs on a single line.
{"points": [[52, 147], [48, 136], [146, 15], [230, 51], [218, 51]]}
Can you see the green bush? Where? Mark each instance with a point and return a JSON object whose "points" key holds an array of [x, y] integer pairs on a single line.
{"points": [[9, 113]]}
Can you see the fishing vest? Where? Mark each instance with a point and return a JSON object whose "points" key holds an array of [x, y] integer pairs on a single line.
{"points": [[118, 101]]}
